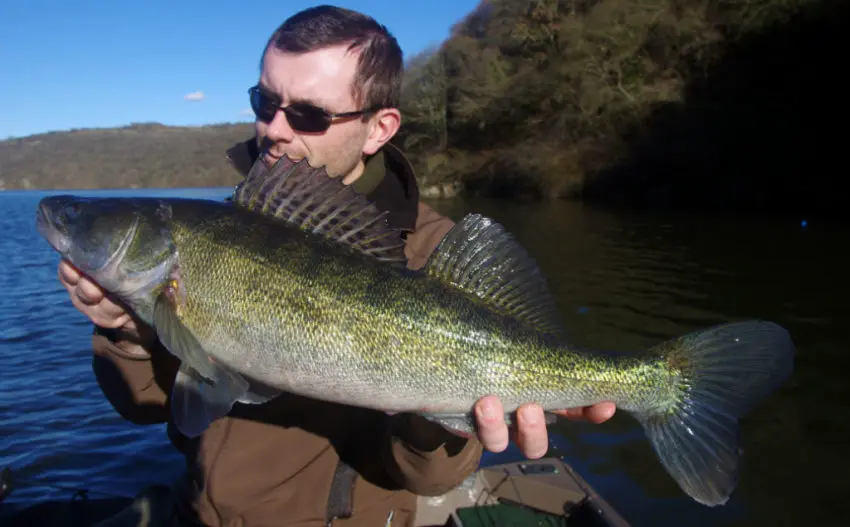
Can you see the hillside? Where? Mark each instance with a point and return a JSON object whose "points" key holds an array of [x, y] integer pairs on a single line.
{"points": [[667, 103], [139, 155], [721, 104]]}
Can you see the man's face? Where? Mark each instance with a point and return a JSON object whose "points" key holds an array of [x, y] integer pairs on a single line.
{"points": [[323, 78]]}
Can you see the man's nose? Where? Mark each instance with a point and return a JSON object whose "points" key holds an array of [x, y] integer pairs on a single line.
{"points": [[279, 129]]}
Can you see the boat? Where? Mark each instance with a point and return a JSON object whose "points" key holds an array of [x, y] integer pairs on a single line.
{"points": [[542, 492]]}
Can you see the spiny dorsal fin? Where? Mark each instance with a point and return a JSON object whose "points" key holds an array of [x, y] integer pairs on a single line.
{"points": [[310, 199], [479, 257]]}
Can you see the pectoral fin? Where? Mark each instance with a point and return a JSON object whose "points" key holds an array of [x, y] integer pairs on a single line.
{"points": [[179, 340], [204, 390], [253, 396], [197, 402]]}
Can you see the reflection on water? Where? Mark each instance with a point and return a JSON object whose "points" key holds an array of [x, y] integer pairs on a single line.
{"points": [[622, 281]]}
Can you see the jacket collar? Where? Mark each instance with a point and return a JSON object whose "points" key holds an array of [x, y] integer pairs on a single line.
{"points": [[241, 156], [388, 180]]}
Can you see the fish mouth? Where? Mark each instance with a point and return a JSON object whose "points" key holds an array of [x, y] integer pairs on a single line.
{"points": [[52, 229]]}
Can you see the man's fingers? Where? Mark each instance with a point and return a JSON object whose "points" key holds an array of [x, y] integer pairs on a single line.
{"points": [[112, 318], [530, 432], [532, 437], [576, 414], [104, 320], [90, 299], [112, 322], [492, 430], [68, 276], [78, 286], [105, 313], [597, 413], [89, 293]]}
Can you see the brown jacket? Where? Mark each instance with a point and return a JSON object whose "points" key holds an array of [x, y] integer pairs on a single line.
{"points": [[274, 464]]}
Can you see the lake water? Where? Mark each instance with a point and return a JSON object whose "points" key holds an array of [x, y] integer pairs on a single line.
{"points": [[623, 281]]}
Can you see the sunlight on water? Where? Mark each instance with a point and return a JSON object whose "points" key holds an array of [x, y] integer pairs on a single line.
{"points": [[622, 282]]}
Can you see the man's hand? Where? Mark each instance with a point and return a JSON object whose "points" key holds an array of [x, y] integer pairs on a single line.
{"points": [[531, 435], [89, 298]]}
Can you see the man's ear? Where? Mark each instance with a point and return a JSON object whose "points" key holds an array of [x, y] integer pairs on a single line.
{"points": [[382, 127]]}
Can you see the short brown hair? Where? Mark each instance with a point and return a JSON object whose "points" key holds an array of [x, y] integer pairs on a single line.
{"points": [[380, 65]]}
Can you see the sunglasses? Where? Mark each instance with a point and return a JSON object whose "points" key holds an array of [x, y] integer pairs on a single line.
{"points": [[301, 116]]}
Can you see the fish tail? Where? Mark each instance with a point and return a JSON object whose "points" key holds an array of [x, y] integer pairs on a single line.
{"points": [[722, 373]]}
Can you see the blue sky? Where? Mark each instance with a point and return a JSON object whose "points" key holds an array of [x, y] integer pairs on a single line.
{"points": [[90, 63]]}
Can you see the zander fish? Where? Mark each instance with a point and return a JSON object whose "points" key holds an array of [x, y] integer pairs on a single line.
{"points": [[299, 284]]}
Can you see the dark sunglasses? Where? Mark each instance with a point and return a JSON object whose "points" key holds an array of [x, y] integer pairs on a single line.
{"points": [[301, 116]]}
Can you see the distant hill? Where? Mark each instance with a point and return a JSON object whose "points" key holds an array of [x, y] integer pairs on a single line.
{"points": [[670, 104], [139, 155]]}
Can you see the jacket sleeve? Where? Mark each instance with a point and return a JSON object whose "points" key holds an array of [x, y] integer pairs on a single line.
{"points": [[430, 229], [425, 458], [134, 379], [422, 456]]}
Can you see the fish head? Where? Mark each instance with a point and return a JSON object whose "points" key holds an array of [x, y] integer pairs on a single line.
{"points": [[123, 244]]}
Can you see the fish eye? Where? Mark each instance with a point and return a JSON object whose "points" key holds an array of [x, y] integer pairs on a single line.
{"points": [[73, 210]]}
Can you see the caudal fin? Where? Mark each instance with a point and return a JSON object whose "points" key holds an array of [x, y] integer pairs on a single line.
{"points": [[725, 371]]}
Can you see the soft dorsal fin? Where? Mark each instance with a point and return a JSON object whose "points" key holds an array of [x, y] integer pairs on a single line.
{"points": [[313, 201], [480, 257]]}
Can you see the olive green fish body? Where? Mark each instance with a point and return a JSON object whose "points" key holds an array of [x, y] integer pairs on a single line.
{"points": [[300, 285], [291, 311]]}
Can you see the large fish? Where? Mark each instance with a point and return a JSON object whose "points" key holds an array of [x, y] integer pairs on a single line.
{"points": [[298, 284]]}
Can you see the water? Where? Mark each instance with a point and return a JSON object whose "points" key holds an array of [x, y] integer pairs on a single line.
{"points": [[623, 281]]}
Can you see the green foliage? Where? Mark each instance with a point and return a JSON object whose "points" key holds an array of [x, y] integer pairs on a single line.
{"points": [[538, 96], [654, 102]]}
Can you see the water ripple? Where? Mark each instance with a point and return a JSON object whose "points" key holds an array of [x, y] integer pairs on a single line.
{"points": [[57, 429]]}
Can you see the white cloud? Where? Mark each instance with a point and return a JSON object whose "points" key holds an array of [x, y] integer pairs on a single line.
{"points": [[194, 96], [247, 111]]}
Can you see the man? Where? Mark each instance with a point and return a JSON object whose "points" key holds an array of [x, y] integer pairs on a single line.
{"points": [[328, 91]]}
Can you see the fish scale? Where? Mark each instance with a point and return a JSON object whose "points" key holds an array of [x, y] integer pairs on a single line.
{"points": [[299, 285], [397, 351]]}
